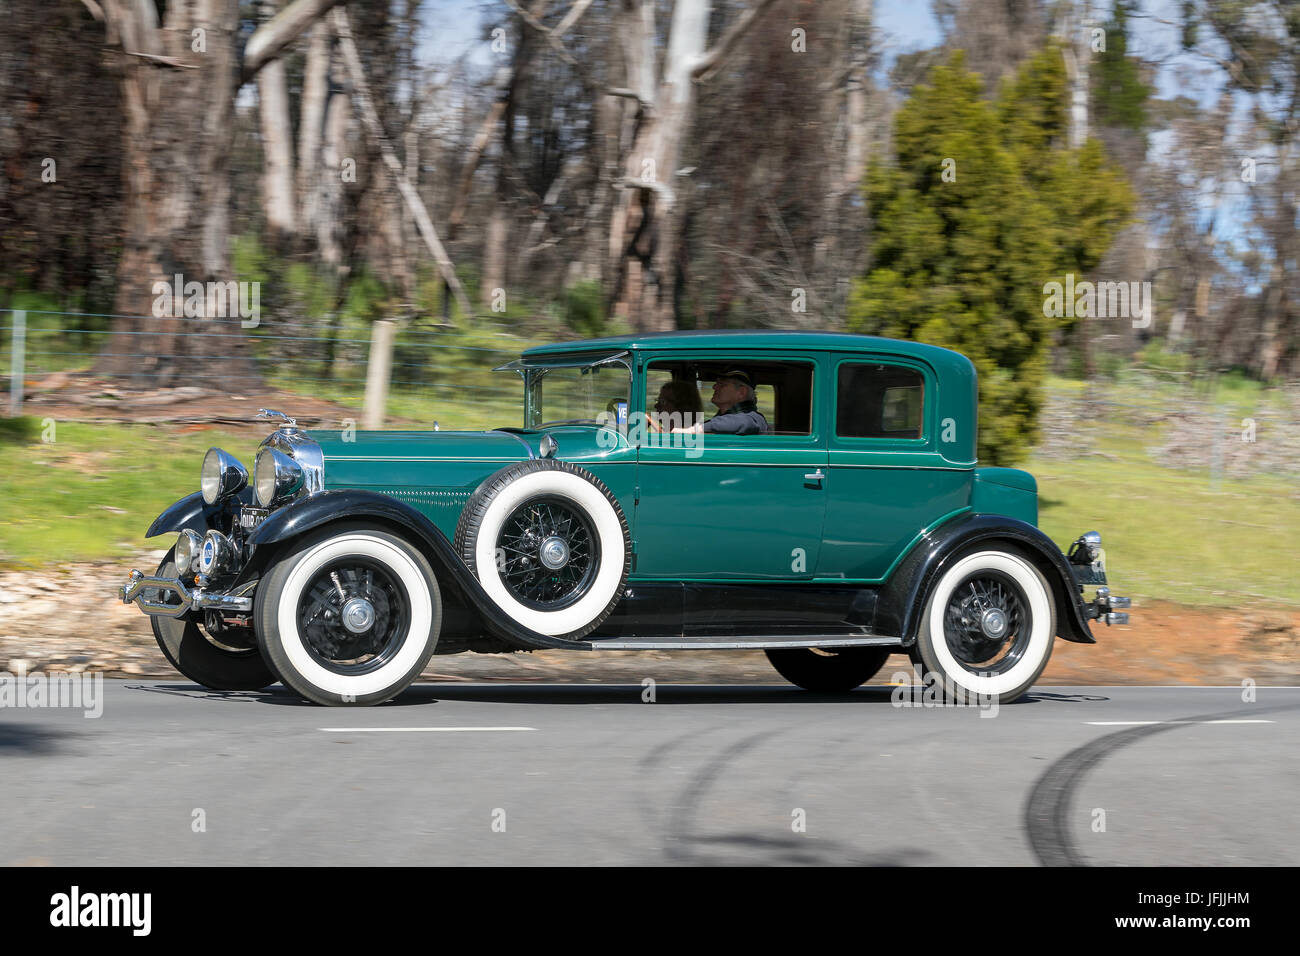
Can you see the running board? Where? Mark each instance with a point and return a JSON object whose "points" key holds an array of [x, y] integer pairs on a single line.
{"points": [[758, 642]]}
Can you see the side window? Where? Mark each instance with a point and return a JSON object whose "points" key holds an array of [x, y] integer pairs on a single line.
{"points": [[879, 401], [782, 391]]}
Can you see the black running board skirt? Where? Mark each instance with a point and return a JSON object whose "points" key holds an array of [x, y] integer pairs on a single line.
{"points": [[744, 642]]}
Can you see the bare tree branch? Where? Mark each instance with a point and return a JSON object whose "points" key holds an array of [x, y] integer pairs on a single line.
{"points": [[573, 16], [162, 60], [366, 106], [630, 94], [271, 38], [709, 61], [553, 36]]}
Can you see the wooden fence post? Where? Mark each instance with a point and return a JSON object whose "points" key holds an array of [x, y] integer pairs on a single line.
{"points": [[378, 369]]}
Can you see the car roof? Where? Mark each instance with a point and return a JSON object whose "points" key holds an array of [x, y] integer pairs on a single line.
{"points": [[753, 339]]}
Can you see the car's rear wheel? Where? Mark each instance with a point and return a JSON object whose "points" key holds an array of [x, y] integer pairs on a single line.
{"points": [[829, 670], [549, 543], [204, 659], [350, 615], [988, 628]]}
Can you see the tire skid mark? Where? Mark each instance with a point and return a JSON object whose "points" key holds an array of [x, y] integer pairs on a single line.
{"points": [[679, 832], [683, 845], [652, 810], [1049, 808]]}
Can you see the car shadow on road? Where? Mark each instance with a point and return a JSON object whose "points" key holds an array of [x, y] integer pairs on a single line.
{"points": [[637, 694], [26, 739], [571, 694], [529, 693]]}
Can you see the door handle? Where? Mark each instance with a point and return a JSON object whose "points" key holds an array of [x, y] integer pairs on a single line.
{"points": [[816, 476]]}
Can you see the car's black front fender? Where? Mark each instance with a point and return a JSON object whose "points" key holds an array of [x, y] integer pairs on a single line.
{"points": [[190, 512], [902, 599], [351, 504], [196, 514]]}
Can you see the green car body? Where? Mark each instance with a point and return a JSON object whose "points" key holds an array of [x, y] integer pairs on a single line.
{"points": [[748, 490], [834, 529]]}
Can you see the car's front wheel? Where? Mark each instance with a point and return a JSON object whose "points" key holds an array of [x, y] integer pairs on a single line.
{"points": [[828, 671], [350, 615], [203, 659], [988, 628]]}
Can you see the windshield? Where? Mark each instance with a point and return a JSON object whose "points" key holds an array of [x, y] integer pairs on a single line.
{"points": [[586, 393]]}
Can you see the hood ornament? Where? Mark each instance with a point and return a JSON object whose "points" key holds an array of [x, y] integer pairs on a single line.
{"points": [[265, 413]]}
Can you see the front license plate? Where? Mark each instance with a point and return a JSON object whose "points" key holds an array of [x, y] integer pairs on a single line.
{"points": [[1094, 573], [250, 518]]}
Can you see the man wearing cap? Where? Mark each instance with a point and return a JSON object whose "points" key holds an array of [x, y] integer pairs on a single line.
{"points": [[738, 414]]}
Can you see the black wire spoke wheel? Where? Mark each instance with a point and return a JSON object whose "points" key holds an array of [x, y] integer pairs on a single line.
{"points": [[547, 553], [353, 615], [987, 622]]}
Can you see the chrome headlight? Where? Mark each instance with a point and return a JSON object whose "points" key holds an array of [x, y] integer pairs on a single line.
{"points": [[1092, 544], [217, 554], [276, 477], [188, 545], [222, 476]]}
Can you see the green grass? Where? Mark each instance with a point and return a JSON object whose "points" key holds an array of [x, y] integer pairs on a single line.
{"points": [[92, 491], [1169, 535]]}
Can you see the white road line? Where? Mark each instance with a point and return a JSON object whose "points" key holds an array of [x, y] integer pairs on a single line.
{"points": [[414, 730], [1148, 723]]}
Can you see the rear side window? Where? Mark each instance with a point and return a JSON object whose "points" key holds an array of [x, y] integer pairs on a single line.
{"points": [[879, 401]]}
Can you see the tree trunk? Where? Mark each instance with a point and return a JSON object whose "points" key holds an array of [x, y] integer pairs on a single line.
{"points": [[277, 146], [370, 119], [311, 126], [494, 254], [647, 230], [177, 196], [327, 204], [179, 82], [1076, 17]]}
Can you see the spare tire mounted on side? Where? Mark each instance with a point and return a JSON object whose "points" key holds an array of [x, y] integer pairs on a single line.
{"points": [[550, 545]]}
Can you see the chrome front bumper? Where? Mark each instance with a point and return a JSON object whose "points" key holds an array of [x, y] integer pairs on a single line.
{"points": [[138, 589]]}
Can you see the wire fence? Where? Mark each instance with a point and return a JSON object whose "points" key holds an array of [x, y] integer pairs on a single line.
{"points": [[1176, 426], [432, 371], [1144, 416]]}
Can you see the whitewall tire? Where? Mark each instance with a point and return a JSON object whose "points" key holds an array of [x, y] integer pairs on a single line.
{"points": [[988, 627], [549, 543], [350, 615]]}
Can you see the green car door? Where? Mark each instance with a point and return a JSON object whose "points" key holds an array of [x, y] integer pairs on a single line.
{"points": [[901, 456], [734, 507]]}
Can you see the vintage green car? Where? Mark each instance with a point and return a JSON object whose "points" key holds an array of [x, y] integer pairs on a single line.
{"points": [[831, 513]]}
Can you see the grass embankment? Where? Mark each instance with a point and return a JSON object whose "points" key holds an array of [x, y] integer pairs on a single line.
{"points": [[1168, 535], [92, 491], [1176, 526]]}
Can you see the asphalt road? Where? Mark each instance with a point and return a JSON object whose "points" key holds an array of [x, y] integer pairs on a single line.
{"points": [[566, 774]]}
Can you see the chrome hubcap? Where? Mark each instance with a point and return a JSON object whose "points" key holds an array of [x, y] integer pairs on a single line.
{"points": [[358, 615], [554, 553], [993, 622]]}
